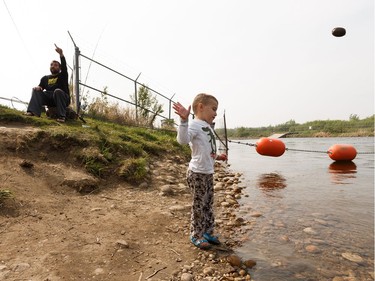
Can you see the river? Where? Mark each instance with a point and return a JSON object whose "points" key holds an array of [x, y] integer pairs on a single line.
{"points": [[315, 217]]}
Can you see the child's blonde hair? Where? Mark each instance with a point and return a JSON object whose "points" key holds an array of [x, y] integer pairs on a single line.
{"points": [[204, 99]]}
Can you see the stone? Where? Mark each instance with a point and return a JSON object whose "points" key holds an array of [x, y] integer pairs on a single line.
{"points": [[284, 238], [225, 204], [219, 186], [312, 249], [143, 185], [309, 230], [176, 208], [231, 201], [352, 257], [122, 244], [256, 214], [208, 271], [166, 189], [186, 277], [234, 260], [99, 271], [249, 263]]}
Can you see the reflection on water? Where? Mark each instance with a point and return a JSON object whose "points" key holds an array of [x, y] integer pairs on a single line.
{"points": [[342, 171], [270, 182]]}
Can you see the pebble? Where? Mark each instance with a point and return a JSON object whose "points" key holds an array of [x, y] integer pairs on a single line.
{"points": [[143, 185], [312, 249], [208, 271], [249, 263], [99, 271], [309, 230], [352, 257], [225, 204], [186, 277], [256, 214], [179, 208], [122, 244], [166, 190], [322, 222], [284, 238], [242, 272], [234, 260]]}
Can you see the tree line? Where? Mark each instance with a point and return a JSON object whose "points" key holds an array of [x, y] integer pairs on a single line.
{"points": [[354, 127]]}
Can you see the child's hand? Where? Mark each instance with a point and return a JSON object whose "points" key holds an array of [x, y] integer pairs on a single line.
{"points": [[222, 157], [181, 111]]}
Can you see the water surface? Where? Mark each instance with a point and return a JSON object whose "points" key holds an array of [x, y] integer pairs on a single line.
{"points": [[317, 214]]}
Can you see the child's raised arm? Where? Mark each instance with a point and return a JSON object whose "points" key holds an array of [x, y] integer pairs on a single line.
{"points": [[181, 111]]}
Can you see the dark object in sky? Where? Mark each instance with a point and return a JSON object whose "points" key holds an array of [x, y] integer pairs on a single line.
{"points": [[338, 32]]}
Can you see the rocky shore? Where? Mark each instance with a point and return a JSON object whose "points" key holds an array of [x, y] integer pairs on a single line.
{"points": [[220, 262]]}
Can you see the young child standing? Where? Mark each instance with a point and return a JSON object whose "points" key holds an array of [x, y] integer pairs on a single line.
{"points": [[200, 136]]}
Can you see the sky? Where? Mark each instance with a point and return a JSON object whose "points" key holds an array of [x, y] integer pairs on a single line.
{"points": [[267, 62]]}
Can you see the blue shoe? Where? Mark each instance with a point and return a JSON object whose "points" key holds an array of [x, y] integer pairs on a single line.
{"points": [[211, 239], [200, 243]]}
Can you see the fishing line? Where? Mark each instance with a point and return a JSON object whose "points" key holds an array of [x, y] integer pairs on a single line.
{"points": [[19, 33], [92, 57]]}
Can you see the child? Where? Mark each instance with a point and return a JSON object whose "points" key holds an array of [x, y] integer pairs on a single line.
{"points": [[201, 138]]}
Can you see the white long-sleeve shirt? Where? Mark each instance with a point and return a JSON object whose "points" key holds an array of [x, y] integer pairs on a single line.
{"points": [[201, 138]]}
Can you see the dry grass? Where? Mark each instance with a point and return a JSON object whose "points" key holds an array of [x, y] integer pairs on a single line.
{"points": [[103, 110]]}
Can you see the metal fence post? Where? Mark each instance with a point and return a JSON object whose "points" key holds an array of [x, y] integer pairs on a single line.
{"points": [[76, 84], [170, 106], [76, 70], [136, 97]]}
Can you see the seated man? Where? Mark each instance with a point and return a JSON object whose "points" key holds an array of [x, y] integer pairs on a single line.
{"points": [[53, 90]]}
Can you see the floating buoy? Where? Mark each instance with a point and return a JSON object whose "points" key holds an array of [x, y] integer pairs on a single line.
{"points": [[342, 152], [270, 147]]}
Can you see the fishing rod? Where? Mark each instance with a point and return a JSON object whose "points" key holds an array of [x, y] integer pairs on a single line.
{"points": [[275, 148]]}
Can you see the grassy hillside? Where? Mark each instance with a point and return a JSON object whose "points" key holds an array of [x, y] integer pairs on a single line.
{"points": [[103, 148]]}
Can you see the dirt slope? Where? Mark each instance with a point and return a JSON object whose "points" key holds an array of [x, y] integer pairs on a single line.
{"points": [[50, 231]]}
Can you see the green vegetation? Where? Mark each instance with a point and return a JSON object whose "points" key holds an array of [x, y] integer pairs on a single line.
{"points": [[354, 127], [148, 105]]}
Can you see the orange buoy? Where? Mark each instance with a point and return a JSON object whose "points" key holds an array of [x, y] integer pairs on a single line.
{"points": [[270, 147], [342, 152]]}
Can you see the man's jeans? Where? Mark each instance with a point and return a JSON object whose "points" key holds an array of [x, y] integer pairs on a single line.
{"points": [[58, 98]]}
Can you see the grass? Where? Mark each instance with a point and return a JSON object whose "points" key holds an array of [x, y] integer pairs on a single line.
{"points": [[102, 148]]}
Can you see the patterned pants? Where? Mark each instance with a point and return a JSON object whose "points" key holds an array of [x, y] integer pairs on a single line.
{"points": [[202, 216]]}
